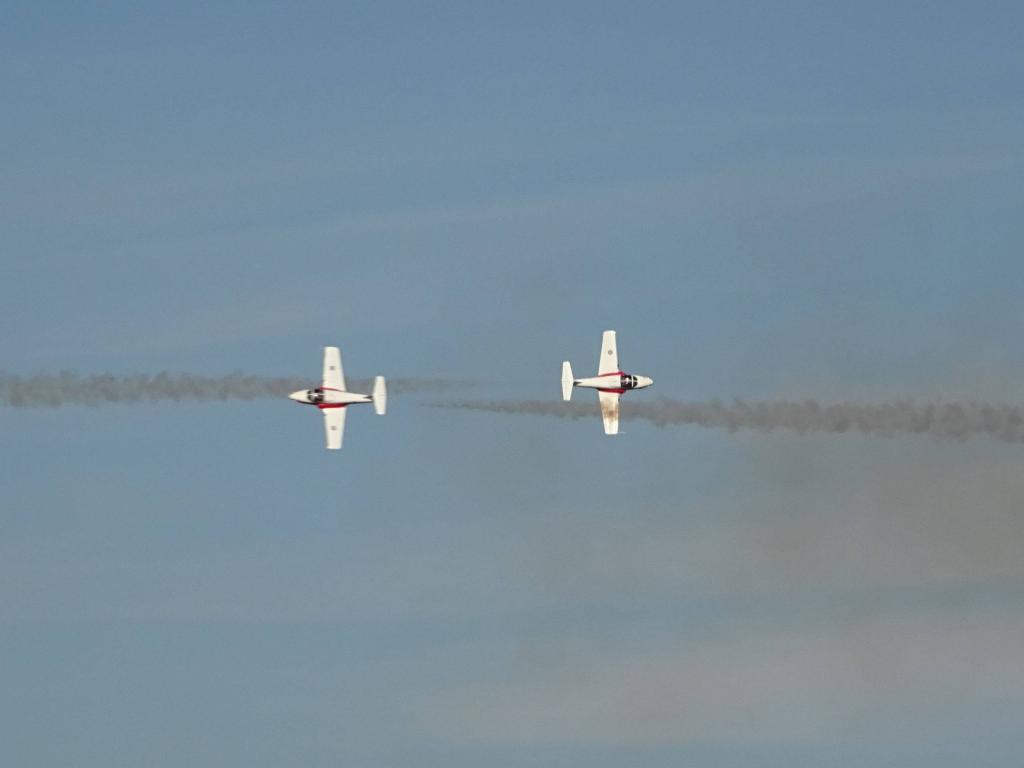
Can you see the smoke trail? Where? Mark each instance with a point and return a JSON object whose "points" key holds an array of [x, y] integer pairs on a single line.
{"points": [[65, 388], [948, 421]]}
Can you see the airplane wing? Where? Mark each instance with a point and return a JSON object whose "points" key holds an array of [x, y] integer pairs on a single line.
{"points": [[334, 425], [334, 376], [609, 362], [609, 411]]}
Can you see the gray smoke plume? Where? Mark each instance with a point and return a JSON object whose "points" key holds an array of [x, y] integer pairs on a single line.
{"points": [[47, 390], [948, 421]]}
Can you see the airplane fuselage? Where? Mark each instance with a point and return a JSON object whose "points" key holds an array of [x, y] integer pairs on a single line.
{"points": [[325, 397], [617, 382]]}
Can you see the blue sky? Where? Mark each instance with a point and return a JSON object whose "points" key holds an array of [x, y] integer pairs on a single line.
{"points": [[765, 200]]}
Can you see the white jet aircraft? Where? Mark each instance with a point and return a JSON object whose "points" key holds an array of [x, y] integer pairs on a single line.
{"points": [[332, 399], [610, 383]]}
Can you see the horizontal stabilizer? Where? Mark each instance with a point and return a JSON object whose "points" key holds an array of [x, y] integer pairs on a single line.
{"points": [[380, 396], [567, 381]]}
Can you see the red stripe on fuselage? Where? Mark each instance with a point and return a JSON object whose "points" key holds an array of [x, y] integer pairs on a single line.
{"points": [[321, 406], [616, 391]]}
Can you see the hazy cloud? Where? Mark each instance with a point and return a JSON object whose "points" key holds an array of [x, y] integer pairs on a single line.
{"points": [[797, 528], [812, 681]]}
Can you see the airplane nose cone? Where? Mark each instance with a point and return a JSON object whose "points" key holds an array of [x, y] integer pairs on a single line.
{"points": [[299, 396], [646, 381]]}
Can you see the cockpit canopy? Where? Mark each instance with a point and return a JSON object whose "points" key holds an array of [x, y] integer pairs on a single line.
{"points": [[627, 381], [315, 395]]}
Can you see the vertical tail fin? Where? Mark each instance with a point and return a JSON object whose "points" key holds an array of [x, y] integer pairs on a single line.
{"points": [[380, 395], [567, 381]]}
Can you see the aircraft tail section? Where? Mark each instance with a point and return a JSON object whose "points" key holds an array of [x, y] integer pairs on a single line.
{"points": [[380, 395], [567, 381]]}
